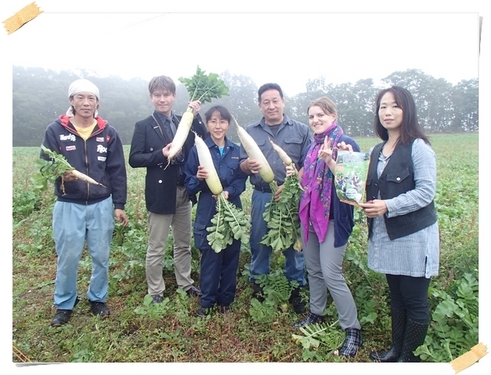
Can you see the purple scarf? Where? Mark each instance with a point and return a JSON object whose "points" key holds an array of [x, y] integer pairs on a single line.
{"points": [[315, 202]]}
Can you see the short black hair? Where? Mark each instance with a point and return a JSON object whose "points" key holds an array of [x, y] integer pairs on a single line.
{"points": [[266, 87]]}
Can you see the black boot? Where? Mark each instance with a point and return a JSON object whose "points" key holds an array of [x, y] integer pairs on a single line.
{"points": [[296, 301], [414, 336], [398, 318], [257, 292]]}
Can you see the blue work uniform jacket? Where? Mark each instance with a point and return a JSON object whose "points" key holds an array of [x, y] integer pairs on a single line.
{"points": [[231, 177]]}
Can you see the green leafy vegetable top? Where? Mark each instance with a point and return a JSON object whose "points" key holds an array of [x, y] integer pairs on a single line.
{"points": [[204, 87]]}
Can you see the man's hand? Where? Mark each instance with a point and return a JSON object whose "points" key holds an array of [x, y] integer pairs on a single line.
{"points": [[249, 166], [121, 217], [196, 106]]}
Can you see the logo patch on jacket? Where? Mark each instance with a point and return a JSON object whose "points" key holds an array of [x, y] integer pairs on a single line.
{"points": [[99, 139], [67, 137], [101, 149], [71, 148]]}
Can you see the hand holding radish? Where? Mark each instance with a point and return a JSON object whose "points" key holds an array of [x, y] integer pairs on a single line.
{"points": [[69, 176], [195, 106], [166, 150], [202, 173], [252, 166], [374, 208], [290, 170], [58, 166]]}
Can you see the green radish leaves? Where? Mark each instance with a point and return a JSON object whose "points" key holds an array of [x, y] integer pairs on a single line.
{"points": [[49, 170], [228, 223], [282, 217], [204, 87]]}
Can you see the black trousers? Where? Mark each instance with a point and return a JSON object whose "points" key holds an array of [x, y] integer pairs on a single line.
{"points": [[410, 294]]}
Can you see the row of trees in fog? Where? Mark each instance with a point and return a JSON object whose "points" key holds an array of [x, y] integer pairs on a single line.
{"points": [[40, 95]]}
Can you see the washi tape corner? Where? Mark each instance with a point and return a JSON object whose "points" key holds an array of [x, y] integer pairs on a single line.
{"points": [[467, 359], [23, 16]]}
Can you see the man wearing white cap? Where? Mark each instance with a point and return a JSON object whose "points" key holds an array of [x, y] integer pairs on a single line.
{"points": [[82, 213]]}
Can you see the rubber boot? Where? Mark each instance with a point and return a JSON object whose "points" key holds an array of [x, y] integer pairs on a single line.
{"points": [[414, 336], [398, 318], [296, 301]]}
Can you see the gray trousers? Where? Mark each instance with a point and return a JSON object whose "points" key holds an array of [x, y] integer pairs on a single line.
{"points": [[158, 231], [324, 264]]}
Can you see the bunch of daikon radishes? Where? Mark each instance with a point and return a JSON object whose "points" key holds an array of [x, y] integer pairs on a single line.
{"points": [[280, 215], [229, 221]]}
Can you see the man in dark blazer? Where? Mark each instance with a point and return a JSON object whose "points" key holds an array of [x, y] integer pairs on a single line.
{"points": [[167, 201]]}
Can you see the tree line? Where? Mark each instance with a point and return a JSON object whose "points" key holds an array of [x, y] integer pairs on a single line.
{"points": [[39, 96]]}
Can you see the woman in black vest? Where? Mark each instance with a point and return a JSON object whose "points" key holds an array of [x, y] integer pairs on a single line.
{"points": [[403, 229]]}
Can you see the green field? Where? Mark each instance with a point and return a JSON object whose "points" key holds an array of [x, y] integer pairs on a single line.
{"points": [[252, 332]]}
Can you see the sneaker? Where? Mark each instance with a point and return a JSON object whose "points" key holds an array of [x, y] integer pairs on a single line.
{"points": [[157, 298], [202, 312], [61, 317], [99, 308], [193, 292], [352, 342], [311, 318], [224, 309]]}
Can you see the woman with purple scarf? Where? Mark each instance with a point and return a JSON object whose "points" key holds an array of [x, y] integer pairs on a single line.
{"points": [[326, 225]]}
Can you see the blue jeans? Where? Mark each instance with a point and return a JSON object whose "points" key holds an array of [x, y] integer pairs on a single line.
{"points": [[73, 225], [260, 254]]}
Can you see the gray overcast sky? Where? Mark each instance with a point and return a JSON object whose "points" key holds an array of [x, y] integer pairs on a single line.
{"points": [[288, 48], [286, 42]]}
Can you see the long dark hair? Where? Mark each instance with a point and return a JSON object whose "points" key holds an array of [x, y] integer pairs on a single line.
{"points": [[410, 127]]}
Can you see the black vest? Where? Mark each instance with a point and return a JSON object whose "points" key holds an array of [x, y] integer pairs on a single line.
{"points": [[397, 178]]}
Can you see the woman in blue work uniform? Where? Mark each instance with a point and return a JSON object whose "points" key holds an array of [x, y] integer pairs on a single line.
{"points": [[218, 271]]}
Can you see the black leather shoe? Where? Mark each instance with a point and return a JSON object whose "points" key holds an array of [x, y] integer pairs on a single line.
{"points": [[224, 309], [202, 312], [100, 309], [193, 291], [61, 317]]}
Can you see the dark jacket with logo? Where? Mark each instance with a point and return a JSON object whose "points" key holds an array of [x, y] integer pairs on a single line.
{"points": [[101, 157], [161, 180], [397, 178]]}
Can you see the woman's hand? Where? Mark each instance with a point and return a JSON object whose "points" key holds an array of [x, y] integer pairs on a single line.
{"points": [[202, 173], [374, 208], [345, 147], [325, 152]]}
